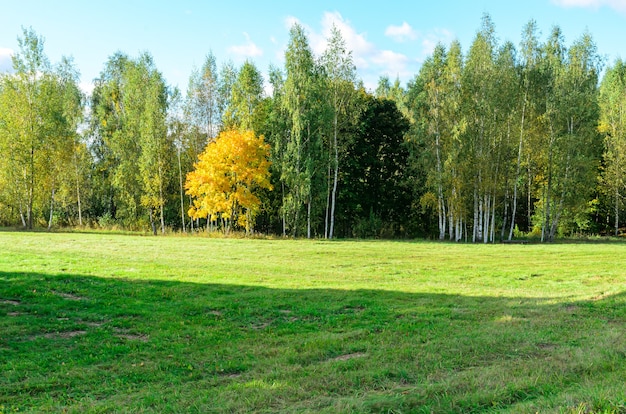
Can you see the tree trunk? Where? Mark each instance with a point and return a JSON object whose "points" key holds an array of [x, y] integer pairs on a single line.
{"points": [[441, 207], [328, 196], [182, 198], [80, 208], [152, 223], [486, 212], [450, 223], [547, 218], [283, 211], [308, 219], [335, 179], [475, 224], [616, 211], [51, 209], [493, 220], [506, 214], [22, 216], [519, 164], [440, 201]]}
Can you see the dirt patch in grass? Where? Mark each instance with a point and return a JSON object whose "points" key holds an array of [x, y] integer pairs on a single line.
{"points": [[14, 313], [347, 357], [124, 334], [68, 296], [59, 335], [10, 302], [133, 337], [546, 345], [261, 325]]}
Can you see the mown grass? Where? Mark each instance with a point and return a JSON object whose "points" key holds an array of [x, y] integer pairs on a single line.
{"points": [[119, 323]]}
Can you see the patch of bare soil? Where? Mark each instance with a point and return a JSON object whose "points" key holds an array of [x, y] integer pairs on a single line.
{"points": [[347, 357], [68, 296], [63, 335], [92, 324], [546, 345], [124, 334], [133, 337], [261, 325], [10, 302]]}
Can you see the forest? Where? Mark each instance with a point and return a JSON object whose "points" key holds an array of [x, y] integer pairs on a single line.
{"points": [[494, 142]]}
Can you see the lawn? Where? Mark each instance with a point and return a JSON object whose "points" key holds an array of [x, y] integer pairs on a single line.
{"points": [[125, 323]]}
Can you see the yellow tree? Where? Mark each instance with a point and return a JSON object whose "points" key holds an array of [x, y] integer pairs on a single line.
{"points": [[224, 180]]}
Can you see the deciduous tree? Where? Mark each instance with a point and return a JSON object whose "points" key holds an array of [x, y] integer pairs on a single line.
{"points": [[227, 177]]}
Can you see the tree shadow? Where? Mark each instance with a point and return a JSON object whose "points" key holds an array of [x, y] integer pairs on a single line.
{"points": [[75, 341]]}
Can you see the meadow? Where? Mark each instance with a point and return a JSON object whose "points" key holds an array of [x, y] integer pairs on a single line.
{"points": [[127, 323]]}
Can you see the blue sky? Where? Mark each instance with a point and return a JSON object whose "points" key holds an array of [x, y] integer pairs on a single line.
{"points": [[387, 38]]}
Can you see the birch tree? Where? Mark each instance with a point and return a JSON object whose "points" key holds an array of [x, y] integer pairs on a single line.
{"points": [[530, 56], [341, 75], [247, 94], [302, 149], [202, 106], [612, 101], [39, 111]]}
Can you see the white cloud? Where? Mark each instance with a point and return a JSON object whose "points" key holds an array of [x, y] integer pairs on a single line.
{"points": [[86, 87], [371, 61], [356, 42], [431, 39], [401, 33], [249, 49], [6, 64], [619, 5]]}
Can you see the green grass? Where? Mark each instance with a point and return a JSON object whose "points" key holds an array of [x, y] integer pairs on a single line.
{"points": [[120, 323]]}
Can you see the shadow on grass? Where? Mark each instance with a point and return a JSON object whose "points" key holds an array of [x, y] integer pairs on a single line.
{"points": [[79, 343]]}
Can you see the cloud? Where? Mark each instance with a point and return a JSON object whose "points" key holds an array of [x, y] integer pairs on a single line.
{"points": [[249, 49], [371, 60], [87, 87], [431, 39], [318, 40], [6, 63], [619, 5], [401, 33]]}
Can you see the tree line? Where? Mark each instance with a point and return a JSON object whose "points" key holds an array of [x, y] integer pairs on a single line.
{"points": [[493, 143]]}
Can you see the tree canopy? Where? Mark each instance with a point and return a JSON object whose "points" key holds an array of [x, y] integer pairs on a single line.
{"points": [[486, 143]]}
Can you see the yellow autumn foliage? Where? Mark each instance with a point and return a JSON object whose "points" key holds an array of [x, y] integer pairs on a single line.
{"points": [[228, 173]]}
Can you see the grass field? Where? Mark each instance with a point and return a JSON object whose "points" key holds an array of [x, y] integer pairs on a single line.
{"points": [[122, 323]]}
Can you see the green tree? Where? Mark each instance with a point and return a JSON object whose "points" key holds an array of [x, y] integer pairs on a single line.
{"points": [[247, 94], [341, 76], [376, 198], [612, 101], [303, 148], [130, 138], [571, 129], [202, 106], [529, 95], [40, 109]]}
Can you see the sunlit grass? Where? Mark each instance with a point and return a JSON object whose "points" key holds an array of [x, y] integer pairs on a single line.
{"points": [[105, 322]]}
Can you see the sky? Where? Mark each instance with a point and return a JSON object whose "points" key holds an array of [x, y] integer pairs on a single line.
{"points": [[389, 38]]}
